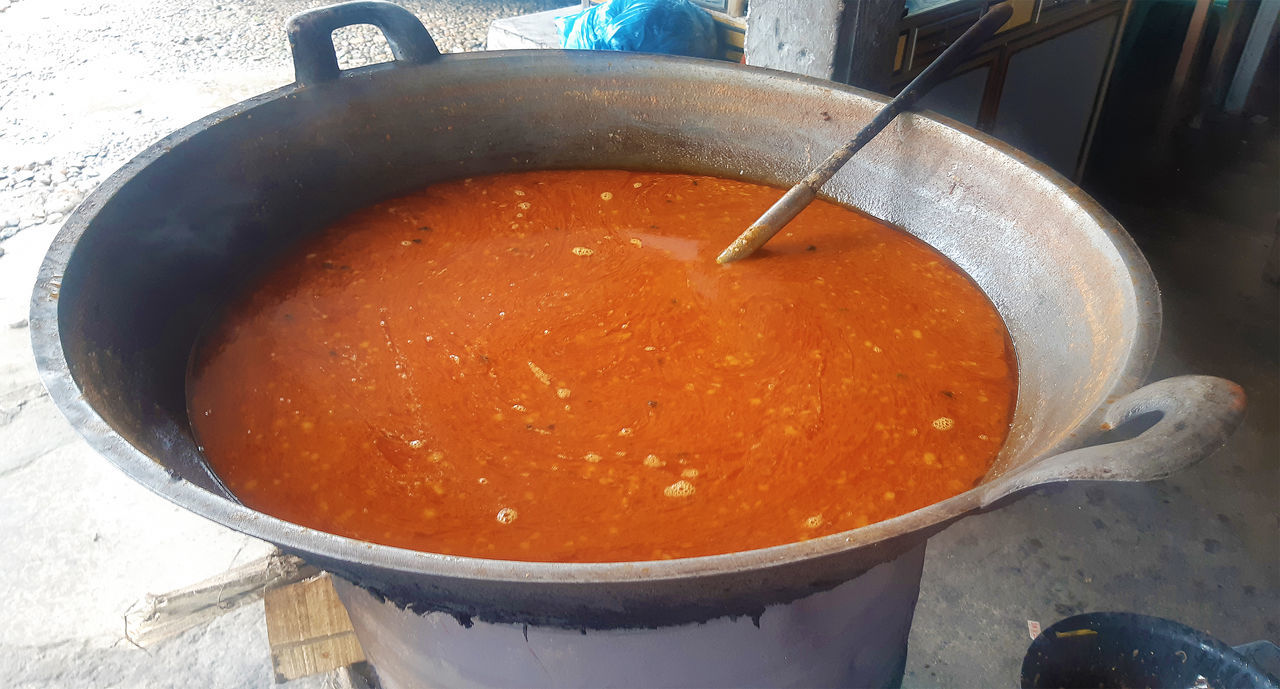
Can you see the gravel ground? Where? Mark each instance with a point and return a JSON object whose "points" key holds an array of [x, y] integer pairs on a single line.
{"points": [[88, 84]]}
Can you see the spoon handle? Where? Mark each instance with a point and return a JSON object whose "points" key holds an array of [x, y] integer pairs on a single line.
{"points": [[799, 196]]}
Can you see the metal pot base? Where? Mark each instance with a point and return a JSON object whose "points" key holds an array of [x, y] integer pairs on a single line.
{"points": [[854, 635]]}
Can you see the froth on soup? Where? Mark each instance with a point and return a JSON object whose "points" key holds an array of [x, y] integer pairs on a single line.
{"points": [[550, 366]]}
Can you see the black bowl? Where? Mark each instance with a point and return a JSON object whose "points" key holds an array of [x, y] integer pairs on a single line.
{"points": [[1120, 649]]}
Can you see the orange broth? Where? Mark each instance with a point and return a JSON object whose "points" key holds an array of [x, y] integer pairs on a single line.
{"points": [[550, 366]]}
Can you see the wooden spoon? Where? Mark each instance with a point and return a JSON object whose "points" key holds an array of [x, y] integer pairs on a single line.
{"points": [[795, 200]]}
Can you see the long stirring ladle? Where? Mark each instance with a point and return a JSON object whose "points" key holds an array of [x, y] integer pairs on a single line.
{"points": [[799, 196]]}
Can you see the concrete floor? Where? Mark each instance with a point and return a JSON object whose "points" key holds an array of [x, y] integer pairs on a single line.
{"points": [[80, 543], [1202, 547]]}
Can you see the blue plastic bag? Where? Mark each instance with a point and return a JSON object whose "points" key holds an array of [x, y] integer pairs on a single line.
{"points": [[673, 27]]}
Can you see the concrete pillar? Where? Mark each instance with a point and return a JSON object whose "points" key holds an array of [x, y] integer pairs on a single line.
{"points": [[798, 36], [850, 41]]}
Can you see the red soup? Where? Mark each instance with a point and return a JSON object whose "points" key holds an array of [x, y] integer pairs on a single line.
{"points": [[551, 366]]}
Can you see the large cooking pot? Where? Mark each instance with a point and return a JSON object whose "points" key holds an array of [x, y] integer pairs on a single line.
{"points": [[171, 236]]}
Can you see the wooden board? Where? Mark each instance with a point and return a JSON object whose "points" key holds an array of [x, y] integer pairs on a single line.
{"points": [[161, 617], [309, 630]]}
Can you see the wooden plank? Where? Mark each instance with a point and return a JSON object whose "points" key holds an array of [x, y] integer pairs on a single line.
{"points": [[309, 630], [1175, 97], [163, 616], [1255, 47], [1229, 43]]}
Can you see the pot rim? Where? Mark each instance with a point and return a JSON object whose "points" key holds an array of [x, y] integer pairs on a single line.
{"points": [[69, 398]]}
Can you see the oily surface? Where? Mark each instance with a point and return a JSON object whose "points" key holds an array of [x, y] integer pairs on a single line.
{"points": [[551, 366]]}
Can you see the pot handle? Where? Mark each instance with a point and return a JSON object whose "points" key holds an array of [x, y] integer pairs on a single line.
{"points": [[311, 37], [1197, 415]]}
